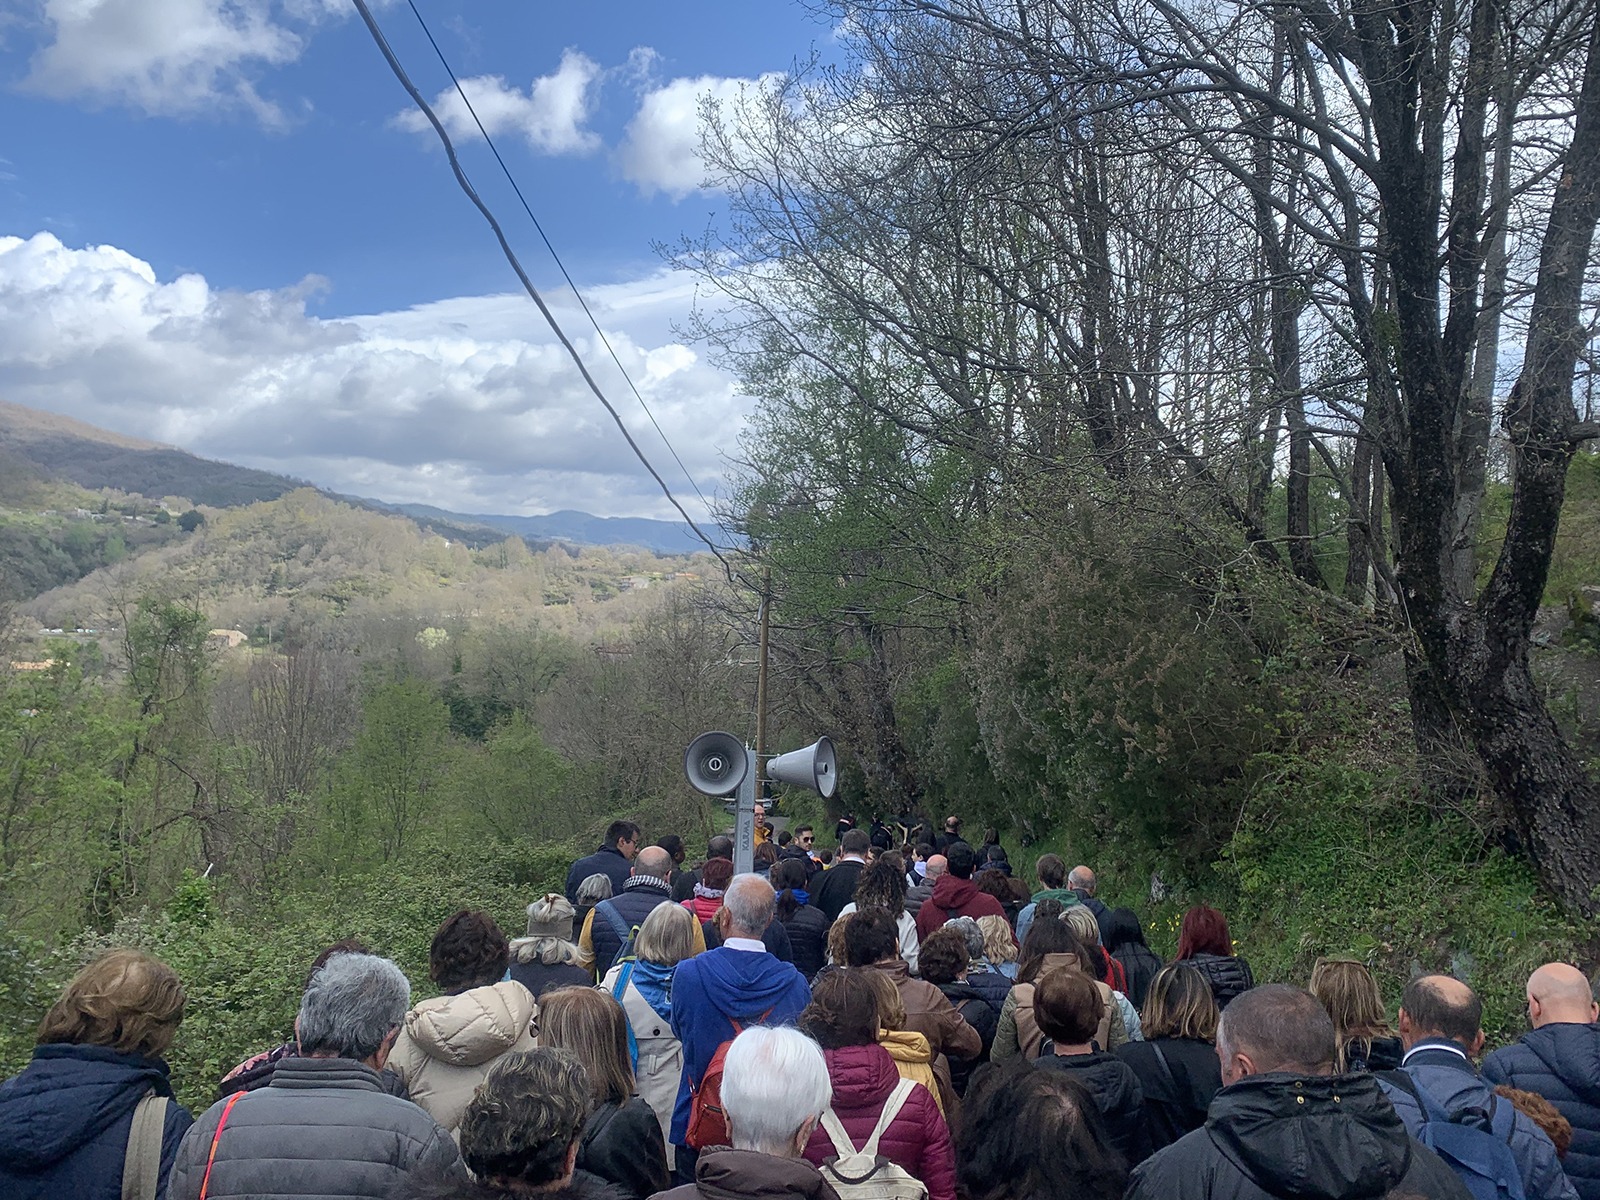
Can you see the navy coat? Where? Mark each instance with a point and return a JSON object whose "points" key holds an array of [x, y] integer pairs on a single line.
{"points": [[64, 1122], [1561, 1063]]}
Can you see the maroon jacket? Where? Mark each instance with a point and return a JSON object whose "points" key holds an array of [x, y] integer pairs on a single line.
{"points": [[954, 897], [917, 1139]]}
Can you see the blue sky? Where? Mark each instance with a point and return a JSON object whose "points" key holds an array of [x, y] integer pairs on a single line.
{"points": [[221, 229]]}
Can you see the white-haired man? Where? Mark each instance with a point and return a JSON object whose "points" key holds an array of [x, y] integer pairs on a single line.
{"points": [[717, 994], [324, 1126], [775, 1089]]}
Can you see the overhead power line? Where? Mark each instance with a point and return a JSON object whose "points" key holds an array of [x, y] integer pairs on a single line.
{"points": [[522, 275], [582, 303]]}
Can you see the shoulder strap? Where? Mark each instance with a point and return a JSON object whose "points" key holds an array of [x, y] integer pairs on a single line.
{"points": [[842, 1145], [141, 1168], [614, 919], [1166, 1068], [623, 978], [891, 1109], [211, 1158]]}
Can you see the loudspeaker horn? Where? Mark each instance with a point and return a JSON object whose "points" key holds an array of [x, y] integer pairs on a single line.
{"points": [[716, 763], [816, 767]]}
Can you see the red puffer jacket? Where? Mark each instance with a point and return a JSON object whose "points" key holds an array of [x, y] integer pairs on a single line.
{"points": [[917, 1139]]}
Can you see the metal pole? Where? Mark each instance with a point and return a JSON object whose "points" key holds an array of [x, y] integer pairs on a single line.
{"points": [[744, 826], [761, 679]]}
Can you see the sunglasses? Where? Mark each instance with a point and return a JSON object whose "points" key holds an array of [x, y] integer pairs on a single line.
{"points": [[807, 838]]}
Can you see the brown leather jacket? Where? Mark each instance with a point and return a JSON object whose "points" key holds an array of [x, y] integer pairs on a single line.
{"points": [[931, 1014]]}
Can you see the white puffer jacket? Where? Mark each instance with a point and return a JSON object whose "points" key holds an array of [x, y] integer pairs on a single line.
{"points": [[448, 1044]]}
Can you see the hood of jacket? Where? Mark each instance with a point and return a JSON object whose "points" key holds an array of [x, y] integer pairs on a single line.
{"points": [[69, 1095], [1108, 1079], [1572, 1053], [862, 1076], [1066, 896], [1332, 1137], [952, 893], [905, 1045], [471, 1028], [746, 984], [735, 1174]]}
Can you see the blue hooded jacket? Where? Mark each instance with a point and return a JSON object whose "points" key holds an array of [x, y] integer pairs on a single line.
{"points": [[64, 1122], [709, 992]]}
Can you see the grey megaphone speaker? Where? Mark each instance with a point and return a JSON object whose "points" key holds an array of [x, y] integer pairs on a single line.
{"points": [[715, 763], [816, 767]]}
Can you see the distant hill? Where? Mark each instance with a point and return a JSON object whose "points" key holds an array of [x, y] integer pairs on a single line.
{"points": [[50, 447], [662, 537]]}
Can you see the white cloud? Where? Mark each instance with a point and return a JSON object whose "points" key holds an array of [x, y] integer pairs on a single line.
{"points": [[169, 57], [466, 403], [660, 151], [551, 115]]}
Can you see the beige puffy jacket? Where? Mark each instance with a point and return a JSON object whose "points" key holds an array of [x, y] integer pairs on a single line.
{"points": [[447, 1045]]}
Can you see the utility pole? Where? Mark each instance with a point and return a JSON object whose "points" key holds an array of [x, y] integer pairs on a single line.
{"points": [[761, 679]]}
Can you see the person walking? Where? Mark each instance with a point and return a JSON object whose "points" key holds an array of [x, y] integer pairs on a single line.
{"points": [[643, 986], [447, 1045], [1177, 1061], [1205, 944], [1350, 994], [324, 1126], [1441, 1028], [720, 992], [803, 921], [609, 930], [96, 1095], [842, 1018], [837, 887], [547, 957], [621, 1141], [1560, 1060], [1123, 936], [1068, 1009], [955, 895], [1286, 1126], [610, 859]]}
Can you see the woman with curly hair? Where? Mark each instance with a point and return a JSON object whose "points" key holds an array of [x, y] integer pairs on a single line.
{"points": [[883, 886], [448, 1044]]}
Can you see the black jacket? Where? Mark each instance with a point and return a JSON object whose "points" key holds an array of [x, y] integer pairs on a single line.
{"points": [[1179, 1084], [1331, 1137], [836, 888], [608, 861], [1229, 975], [540, 978], [1562, 1063], [775, 939], [1116, 1093], [1383, 1054], [1141, 964], [623, 1146], [64, 1122], [982, 1012], [808, 939]]}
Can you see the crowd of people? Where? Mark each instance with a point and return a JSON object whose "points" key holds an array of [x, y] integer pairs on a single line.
{"points": [[885, 1022]]}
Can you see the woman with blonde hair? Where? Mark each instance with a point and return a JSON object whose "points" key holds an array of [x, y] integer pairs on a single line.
{"points": [[547, 957], [644, 989], [621, 1140], [1177, 1062], [1350, 994], [1102, 966], [913, 1057], [94, 1111], [999, 945]]}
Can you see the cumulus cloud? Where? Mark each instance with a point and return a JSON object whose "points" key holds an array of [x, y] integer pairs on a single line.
{"points": [[465, 403], [169, 57], [551, 115], [660, 150]]}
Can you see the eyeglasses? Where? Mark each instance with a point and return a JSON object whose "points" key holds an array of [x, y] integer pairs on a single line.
{"points": [[807, 838]]}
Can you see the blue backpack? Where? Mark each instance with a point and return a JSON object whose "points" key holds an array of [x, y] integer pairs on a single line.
{"points": [[1475, 1144]]}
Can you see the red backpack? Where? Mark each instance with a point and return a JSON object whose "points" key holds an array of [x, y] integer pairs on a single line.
{"points": [[708, 1122]]}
